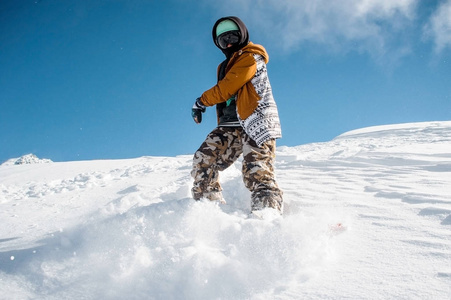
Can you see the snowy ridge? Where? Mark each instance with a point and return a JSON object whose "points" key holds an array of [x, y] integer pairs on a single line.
{"points": [[26, 159], [128, 228]]}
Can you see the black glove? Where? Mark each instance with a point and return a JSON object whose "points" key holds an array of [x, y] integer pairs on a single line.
{"points": [[197, 110]]}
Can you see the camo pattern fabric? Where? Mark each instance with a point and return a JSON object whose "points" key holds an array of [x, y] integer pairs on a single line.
{"points": [[222, 147]]}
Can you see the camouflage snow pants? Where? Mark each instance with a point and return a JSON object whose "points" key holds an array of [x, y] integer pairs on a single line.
{"points": [[221, 149]]}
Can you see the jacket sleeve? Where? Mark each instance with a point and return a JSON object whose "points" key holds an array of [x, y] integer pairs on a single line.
{"points": [[242, 71]]}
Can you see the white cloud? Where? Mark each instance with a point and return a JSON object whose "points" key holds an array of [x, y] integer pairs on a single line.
{"points": [[369, 26], [439, 27]]}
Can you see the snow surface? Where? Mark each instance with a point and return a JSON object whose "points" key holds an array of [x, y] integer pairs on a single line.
{"points": [[127, 229]]}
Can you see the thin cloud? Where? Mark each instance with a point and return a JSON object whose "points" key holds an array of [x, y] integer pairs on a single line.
{"points": [[369, 26], [439, 27]]}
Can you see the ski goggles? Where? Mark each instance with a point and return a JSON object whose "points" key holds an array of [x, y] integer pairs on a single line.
{"points": [[228, 37]]}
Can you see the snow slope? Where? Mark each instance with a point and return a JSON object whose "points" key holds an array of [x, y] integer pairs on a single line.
{"points": [[127, 229]]}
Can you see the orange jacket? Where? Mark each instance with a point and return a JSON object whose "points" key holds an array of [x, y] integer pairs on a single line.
{"points": [[246, 77], [239, 72]]}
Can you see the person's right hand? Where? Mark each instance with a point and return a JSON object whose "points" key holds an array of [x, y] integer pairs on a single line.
{"points": [[197, 110]]}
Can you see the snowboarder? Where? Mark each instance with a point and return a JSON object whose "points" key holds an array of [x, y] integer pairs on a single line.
{"points": [[248, 121]]}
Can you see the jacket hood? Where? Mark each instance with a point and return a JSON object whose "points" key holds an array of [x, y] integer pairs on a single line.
{"points": [[244, 35], [256, 49]]}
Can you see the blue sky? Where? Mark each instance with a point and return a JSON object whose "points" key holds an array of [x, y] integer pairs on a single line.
{"points": [[85, 80]]}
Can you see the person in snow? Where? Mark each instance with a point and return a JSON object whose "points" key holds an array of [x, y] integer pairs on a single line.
{"points": [[248, 121]]}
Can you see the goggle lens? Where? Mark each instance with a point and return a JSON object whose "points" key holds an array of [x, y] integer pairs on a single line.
{"points": [[229, 37]]}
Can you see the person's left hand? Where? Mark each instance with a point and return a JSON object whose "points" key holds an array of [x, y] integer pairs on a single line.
{"points": [[197, 110]]}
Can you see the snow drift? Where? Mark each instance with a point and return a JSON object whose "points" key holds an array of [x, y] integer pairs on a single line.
{"points": [[127, 229]]}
